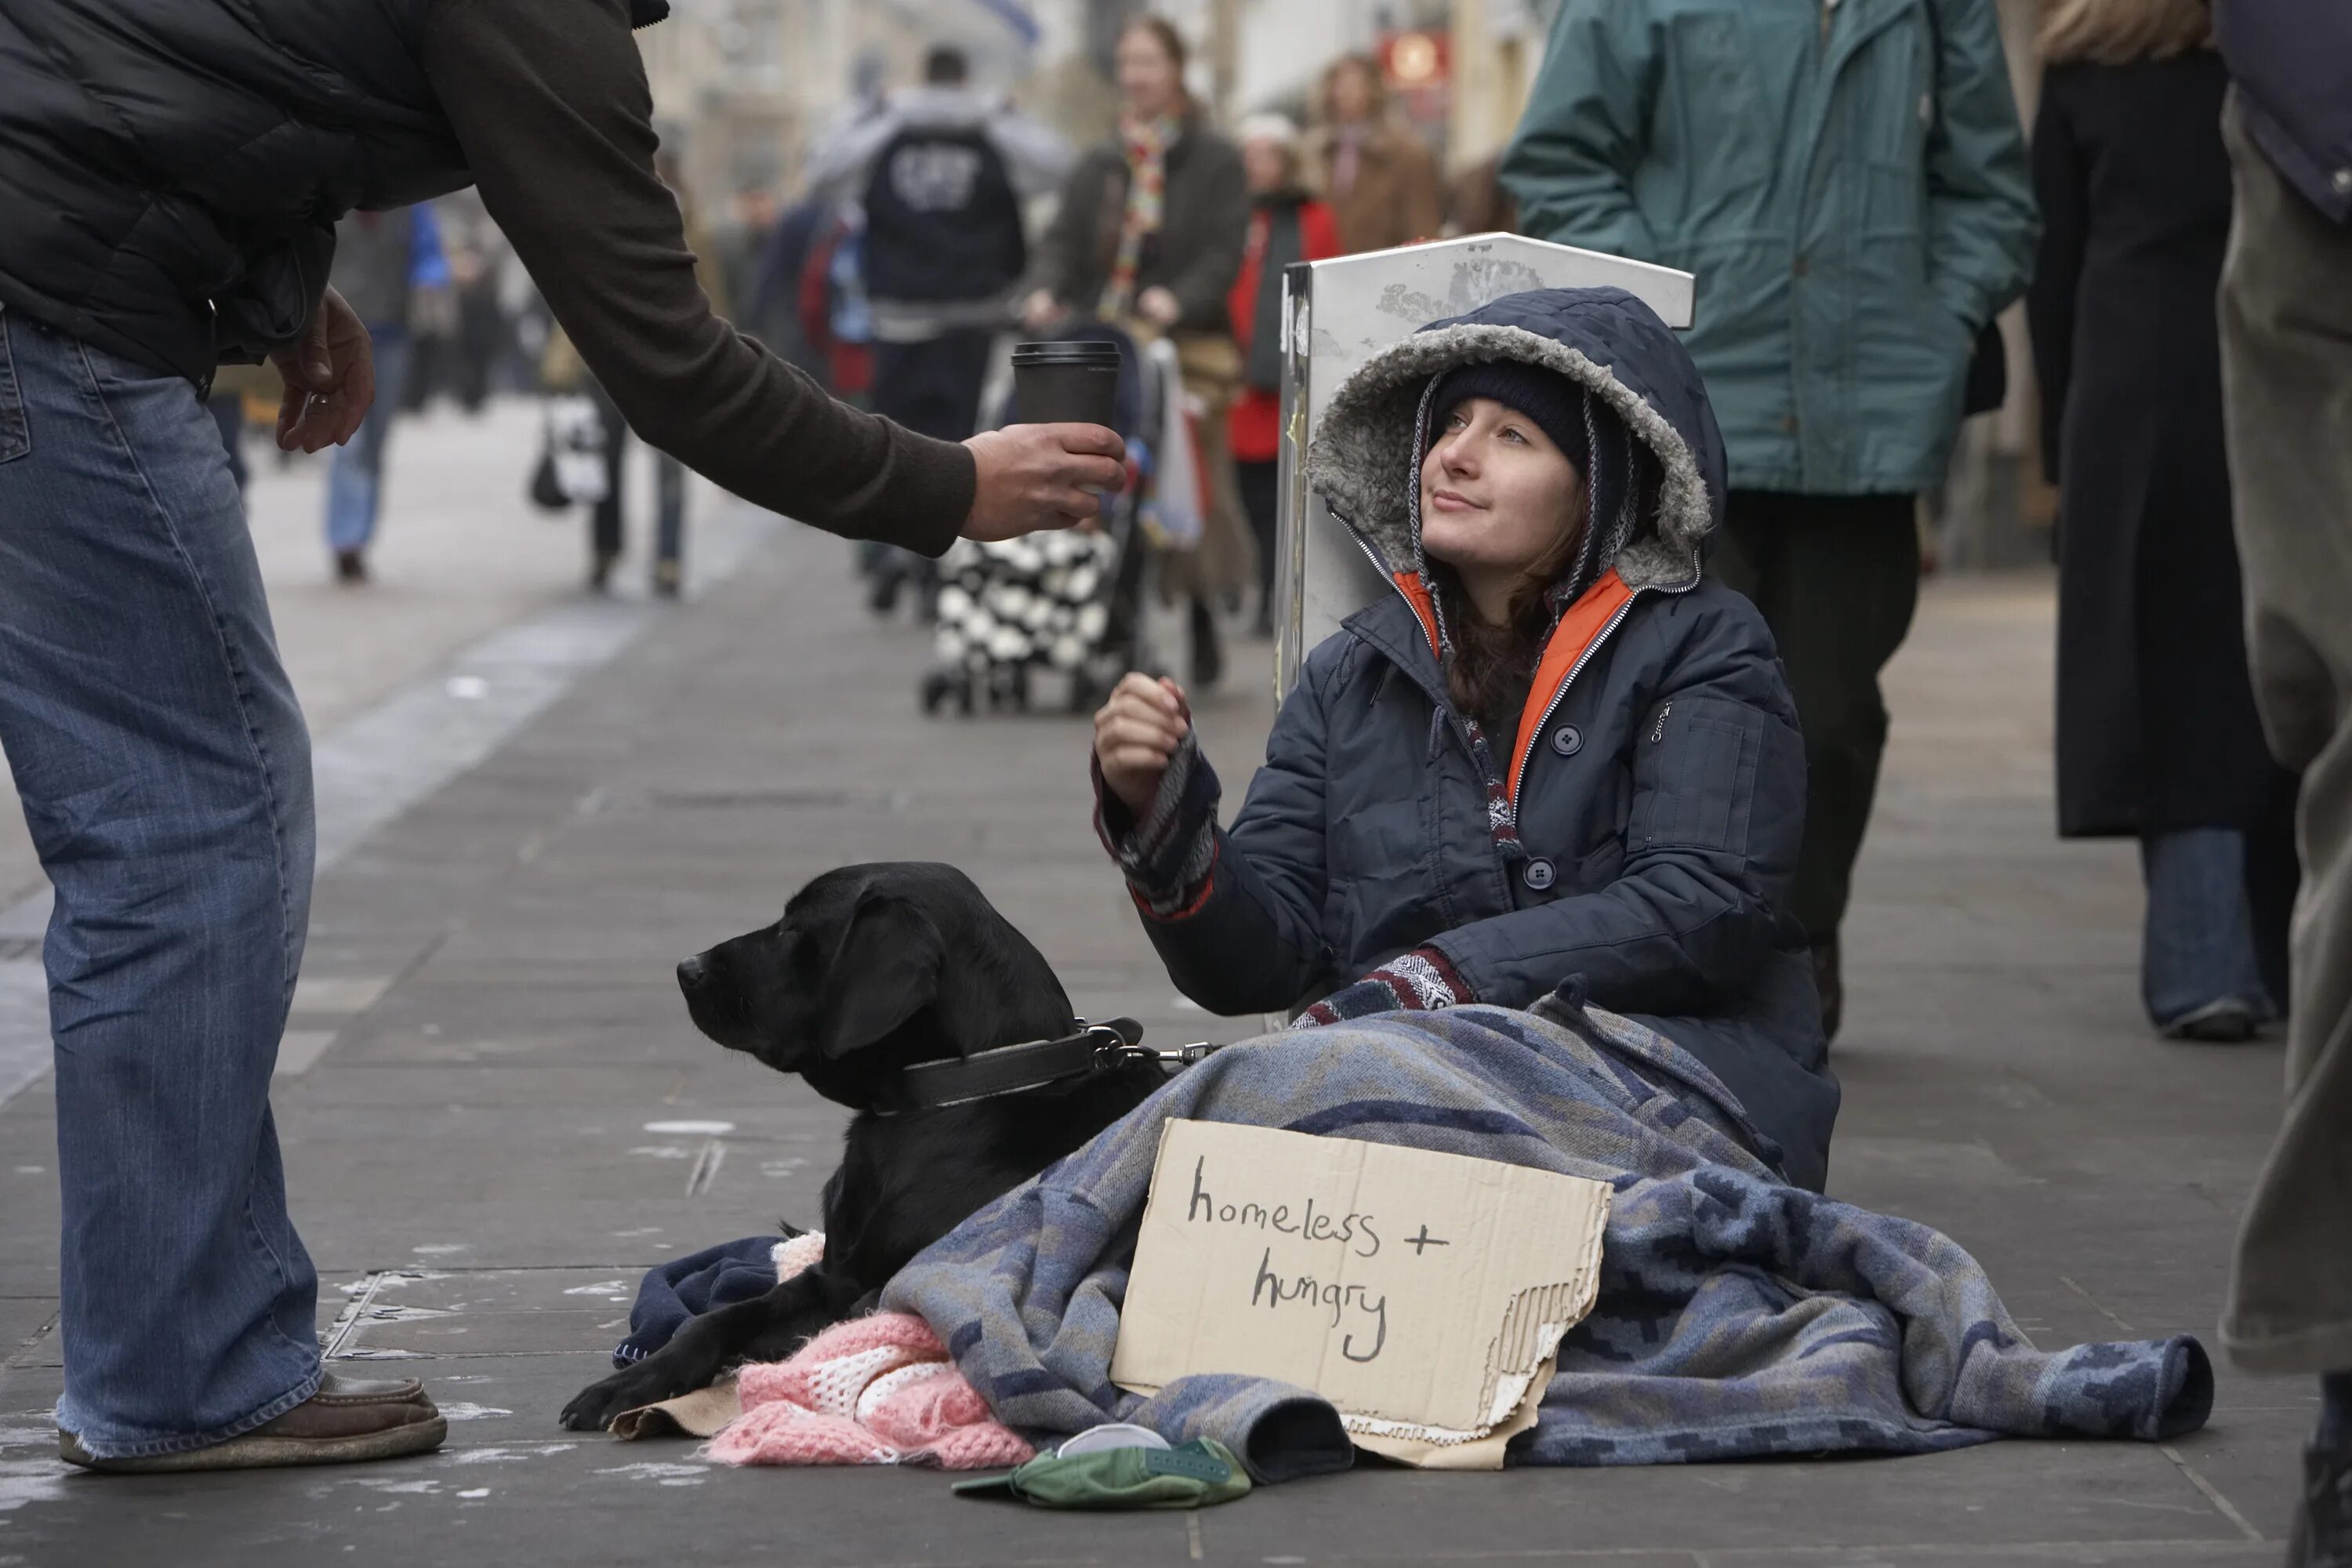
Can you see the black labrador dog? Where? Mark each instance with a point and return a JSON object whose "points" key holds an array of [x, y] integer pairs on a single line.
{"points": [[875, 969]]}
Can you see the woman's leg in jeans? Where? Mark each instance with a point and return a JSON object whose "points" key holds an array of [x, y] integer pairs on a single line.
{"points": [[356, 482], [670, 525], [2198, 952], [604, 527], [165, 774]]}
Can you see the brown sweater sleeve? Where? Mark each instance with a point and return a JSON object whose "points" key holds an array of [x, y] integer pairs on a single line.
{"points": [[550, 102]]}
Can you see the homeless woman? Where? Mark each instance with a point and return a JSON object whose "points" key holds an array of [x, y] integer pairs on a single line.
{"points": [[1556, 755]]}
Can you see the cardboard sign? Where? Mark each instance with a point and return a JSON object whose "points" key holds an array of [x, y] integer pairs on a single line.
{"points": [[1422, 1294]]}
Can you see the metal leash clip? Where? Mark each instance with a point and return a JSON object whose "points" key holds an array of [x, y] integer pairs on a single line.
{"points": [[1122, 1040]]}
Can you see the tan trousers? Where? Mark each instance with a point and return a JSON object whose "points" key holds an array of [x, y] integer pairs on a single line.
{"points": [[2286, 373]]}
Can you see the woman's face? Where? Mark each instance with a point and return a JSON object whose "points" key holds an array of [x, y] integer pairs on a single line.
{"points": [[1351, 94], [1146, 77], [1495, 497], [1266, 164]]}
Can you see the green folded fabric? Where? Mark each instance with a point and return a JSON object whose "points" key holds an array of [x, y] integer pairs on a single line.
{"points": [[1190, 1475]]}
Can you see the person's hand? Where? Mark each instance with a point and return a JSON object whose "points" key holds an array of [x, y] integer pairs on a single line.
{"points": [[1041, 476], [1135, 734], [1159, 307], [1040, 309], [329, 373]]}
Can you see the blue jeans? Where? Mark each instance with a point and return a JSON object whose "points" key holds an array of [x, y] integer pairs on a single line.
{"points": [[355, 483], [2198, 945], [165, 774]]}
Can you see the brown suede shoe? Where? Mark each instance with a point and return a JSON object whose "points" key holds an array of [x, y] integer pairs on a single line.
{"points": [[349, 1418]]}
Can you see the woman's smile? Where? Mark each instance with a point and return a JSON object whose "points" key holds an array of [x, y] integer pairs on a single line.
{"points": [[1454, 500]]}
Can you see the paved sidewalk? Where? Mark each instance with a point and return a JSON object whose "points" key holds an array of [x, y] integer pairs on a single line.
{"points": [[510, 1117]]}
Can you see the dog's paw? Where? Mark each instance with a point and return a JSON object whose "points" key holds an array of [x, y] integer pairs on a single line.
{"points": [[594, 1407]]}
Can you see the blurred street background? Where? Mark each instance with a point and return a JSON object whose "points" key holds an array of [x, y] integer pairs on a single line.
{"points": [[563, 743]]}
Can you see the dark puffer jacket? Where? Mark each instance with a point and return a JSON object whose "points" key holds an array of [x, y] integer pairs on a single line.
{"points": [[1657, 794]]}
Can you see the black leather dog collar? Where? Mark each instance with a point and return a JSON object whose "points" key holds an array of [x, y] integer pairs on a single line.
{"points": [[1009, 1069]]}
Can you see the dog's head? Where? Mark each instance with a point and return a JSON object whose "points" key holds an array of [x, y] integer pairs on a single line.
{"points": [[873, 969]]}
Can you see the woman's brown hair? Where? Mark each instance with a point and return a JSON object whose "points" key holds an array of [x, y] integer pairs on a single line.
{"points": [[2117, 32], [1375, 85], [1171, 44], [1492, 667]]}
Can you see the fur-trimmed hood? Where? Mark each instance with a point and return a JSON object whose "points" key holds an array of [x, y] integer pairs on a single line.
{"points": [[1365, 464]]}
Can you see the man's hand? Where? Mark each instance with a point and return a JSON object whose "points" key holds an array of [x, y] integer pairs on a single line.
{"points": [[1042, 476], [330, 375], [1135, 734]]}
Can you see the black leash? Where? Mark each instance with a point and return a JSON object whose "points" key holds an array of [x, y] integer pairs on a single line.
{"points": [[1033, 1063]]}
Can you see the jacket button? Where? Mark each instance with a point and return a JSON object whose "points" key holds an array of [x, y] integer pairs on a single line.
{"points": [[1568, 739], [1802, 264], [1539, 874]]}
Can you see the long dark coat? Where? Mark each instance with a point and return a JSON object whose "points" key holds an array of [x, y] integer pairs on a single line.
{"points": [[2157, 727]]}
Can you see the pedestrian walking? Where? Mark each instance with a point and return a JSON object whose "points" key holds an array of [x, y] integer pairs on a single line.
{"points": [[174, 211], [1378, 176], [2158, 736], [381, 259], [1848, 183], [941, 173], [1150, 233], [2286, 382], [1286, 225]]}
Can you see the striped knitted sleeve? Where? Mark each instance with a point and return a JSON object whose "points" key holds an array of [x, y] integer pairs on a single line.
{"points": [[1169, 854]]}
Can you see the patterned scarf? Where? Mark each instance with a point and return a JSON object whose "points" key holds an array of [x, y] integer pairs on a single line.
{"points": [[1146, 145]]}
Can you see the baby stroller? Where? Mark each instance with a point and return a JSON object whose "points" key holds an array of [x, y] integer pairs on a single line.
{"points": [[1067, 602]]}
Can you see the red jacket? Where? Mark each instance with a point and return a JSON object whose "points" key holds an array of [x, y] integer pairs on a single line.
{"points": [[1254, 422]]}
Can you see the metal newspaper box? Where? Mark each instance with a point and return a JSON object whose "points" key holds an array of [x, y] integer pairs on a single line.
{"points": [[1337, 314]]}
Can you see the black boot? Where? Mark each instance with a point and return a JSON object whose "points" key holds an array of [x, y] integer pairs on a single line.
{"points": [[2322, 1536], [1208, 652], [1830, 980]]}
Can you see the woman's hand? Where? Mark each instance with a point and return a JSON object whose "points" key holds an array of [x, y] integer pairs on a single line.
{"points": [[1136, 733], [1159, 307], [1040, 309], [330, 374]]}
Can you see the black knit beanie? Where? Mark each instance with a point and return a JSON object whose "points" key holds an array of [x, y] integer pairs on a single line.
{"points": [[1555, 403]]}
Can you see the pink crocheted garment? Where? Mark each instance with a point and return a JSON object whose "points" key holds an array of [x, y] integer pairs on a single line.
{"points": [[876, 1389]]}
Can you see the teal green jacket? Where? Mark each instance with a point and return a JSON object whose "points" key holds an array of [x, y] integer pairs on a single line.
{"points": [[1847, 180]]}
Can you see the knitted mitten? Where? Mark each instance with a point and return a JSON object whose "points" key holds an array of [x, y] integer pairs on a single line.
{"points": [[1170, 855], [1420, 979]]}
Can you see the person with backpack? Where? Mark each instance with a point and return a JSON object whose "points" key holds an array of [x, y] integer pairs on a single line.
{"points": [[172, 177], [941, 174]]}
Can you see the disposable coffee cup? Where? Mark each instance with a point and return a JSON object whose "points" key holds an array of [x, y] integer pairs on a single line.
{"points": [[1064, 382]]}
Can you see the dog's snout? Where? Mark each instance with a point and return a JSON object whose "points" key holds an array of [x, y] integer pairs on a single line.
{"points": [[690, 972]]}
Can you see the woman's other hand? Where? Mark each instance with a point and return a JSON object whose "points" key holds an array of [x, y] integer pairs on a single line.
{"points": [[1135, 734], [1159, 307], [1040, 309]]}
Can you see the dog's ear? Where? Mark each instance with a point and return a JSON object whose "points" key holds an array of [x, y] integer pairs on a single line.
{"points": [[886, 969]]}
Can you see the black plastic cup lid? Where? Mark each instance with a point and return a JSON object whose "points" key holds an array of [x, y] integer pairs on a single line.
{"points": [[1091, 354]]}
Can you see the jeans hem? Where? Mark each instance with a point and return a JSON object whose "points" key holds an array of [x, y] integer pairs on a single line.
{"points": [[2308, 1348], [101, 1447]]}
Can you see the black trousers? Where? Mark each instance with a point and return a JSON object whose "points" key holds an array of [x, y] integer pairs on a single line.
{"points": [[933, 388], [1261, 488], [1838, 579]]}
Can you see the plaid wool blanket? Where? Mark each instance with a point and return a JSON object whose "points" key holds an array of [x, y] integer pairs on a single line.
{"points": [[1738, 1316]]}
